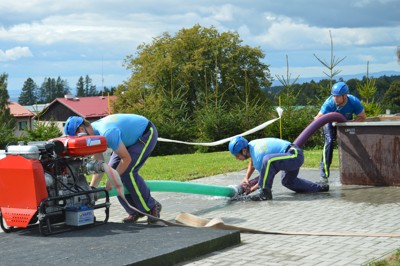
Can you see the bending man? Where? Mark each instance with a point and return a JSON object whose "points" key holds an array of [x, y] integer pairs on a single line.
{"points": [[269, 156], [132, 138]]}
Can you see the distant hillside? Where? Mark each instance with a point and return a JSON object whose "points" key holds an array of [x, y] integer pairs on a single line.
{"points": [[344, 77], [14, 93]]}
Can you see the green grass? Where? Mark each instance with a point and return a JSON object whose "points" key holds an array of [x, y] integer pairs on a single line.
{"points": [[392, 260], [312, 159], [191, 166], [185, 167]]}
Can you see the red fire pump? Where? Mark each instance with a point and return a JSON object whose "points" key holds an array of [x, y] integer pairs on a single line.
{"points": [[43, 183]]}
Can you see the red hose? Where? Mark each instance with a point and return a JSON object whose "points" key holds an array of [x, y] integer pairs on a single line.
{"points": [[315, 125]]}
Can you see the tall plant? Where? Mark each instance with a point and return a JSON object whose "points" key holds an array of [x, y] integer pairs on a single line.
{"points": [[7, 120], [331, 65], [367, 91]]}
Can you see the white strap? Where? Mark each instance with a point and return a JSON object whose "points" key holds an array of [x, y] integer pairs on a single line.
{"points": [[215, 143]]}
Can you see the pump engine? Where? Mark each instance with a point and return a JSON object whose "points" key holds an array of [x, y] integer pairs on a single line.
{"points": [[43, 183]]}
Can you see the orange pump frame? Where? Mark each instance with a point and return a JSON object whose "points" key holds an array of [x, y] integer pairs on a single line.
{"points": [[22, 187], [22, 181]]}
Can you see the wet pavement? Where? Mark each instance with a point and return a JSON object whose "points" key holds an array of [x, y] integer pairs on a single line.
{"points": [[344, 209]]}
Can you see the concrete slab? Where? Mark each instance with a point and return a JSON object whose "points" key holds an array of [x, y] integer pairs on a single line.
{"points": [[113, 244]]}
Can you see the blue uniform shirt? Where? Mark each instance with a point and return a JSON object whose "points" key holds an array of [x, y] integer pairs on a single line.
{"points": [[353, 106], [117, 128], [260, 147]]}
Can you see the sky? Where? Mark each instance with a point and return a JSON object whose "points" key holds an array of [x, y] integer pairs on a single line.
{"points": [[74, 38]]}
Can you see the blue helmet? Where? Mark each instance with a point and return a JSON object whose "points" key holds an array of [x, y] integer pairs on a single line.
{"points": [[340, 88], [72, 124], [237, 144]]}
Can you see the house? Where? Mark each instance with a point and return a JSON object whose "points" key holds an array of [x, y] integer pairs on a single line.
{"points": [[90, 108], [36, 108], [23, 116]]}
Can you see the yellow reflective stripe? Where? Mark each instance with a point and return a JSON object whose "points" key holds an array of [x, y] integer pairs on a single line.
{"points": [[324, 160], [276, 159], [133, 178]]}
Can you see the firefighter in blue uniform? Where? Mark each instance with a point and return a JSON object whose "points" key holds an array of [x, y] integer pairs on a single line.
{"points": [[349, 106], [269, 156]]}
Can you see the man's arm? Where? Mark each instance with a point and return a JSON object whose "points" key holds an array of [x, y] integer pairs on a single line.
{"points": [[96, 178], [250, 170], [360, 117], [318, 115], [126, 159]]}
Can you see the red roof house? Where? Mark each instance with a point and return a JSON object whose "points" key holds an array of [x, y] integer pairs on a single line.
{"points": [[90, 108], [23, 116]]}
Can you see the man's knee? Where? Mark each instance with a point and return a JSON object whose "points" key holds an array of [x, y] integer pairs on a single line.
{"points": [[286, 181]]}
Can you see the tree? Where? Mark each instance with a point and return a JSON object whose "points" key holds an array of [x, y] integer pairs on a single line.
{"points": [[43, 131], [62, 88], [331, 65], [52, 89], [28, 94], [195, 72], [367, 91], [392, 96], [80, 87], [7, 121], [85, 88], [107, 91], [202, 64], [90, 89]]}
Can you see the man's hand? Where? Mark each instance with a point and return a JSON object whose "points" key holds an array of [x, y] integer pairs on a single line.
{"points": [[108, 185], [253, 188], [244, 181]]}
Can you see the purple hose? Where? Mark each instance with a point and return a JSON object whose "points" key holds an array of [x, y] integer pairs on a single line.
{"points": [[315, 125]]}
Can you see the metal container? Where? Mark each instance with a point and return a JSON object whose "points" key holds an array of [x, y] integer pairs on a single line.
{"points": [[369, 152], [27, 151]]}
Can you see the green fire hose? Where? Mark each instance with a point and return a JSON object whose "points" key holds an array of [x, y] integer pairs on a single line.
{"points": [[187, 187]]}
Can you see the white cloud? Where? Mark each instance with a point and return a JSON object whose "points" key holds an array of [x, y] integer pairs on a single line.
{"points": [[367, 58], [286, 34], [96, 28], [364, 3], [82, 28], [223, 13], [70, 38], [14, 54]]}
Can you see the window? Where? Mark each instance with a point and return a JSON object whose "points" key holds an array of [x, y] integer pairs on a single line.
{"points": [[22, 125]]}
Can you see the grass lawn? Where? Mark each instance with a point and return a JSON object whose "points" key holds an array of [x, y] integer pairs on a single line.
{"points": [[187, 167], [191, 166]]}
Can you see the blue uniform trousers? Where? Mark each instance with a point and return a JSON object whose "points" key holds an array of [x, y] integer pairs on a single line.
{"points": [[330, 135], [139, 194], [289, 163]]}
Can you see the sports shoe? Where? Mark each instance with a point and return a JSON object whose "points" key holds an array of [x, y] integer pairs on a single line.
{"points": [[132, 218], [155, 211], [264, 194], [323, 180], [324, 187]]}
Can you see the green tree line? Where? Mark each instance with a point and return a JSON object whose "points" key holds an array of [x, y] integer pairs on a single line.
{"points": [[52, 88], [201, 85]]}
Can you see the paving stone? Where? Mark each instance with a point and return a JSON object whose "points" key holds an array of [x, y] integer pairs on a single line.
{"points": [[344, 209]]}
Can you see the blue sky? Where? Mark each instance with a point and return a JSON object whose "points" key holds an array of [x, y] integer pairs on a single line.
{"points": [[71, 38]]}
